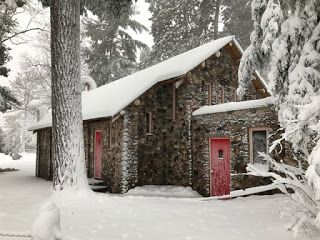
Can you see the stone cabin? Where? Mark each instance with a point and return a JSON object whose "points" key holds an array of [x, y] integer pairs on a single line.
{"points": [[174, 123]]}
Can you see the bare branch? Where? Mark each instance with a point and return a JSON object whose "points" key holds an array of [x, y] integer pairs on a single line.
{"points": [[21, 32]]}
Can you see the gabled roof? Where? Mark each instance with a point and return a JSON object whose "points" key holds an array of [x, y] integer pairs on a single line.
{"points": [[234, 106], [110, 99]]}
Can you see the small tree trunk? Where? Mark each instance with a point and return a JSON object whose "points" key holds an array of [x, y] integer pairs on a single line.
{"points": [[216, 19], [67, 129]]}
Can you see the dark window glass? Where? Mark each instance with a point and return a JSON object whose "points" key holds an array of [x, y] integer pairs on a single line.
{"points": [[259, 145]]}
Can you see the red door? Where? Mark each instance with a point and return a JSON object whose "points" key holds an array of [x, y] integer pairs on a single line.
{"points": [[98, 156], [220, 166]]}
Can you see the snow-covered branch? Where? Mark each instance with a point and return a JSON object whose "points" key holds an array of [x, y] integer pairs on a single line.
{"points": [[292, 181]]}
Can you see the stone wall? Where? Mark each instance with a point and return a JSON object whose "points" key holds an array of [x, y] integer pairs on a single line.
{"points": [[235, 125], [112, 173], [165, 154], [129, 152], [111, 154]]}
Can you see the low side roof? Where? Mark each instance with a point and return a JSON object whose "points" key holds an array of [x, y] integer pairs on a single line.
{"points": [[110, 99], [234, 106]]}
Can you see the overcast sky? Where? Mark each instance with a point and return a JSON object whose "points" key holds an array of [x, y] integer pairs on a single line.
{"points": [[40, 17]]}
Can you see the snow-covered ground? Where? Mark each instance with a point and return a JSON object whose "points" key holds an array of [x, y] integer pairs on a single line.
{"points": [[145, 213]]}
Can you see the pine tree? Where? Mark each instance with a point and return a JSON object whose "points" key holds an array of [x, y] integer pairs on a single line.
{"points": [[294, 57], [7, 24], [178, 26], [237, 20], [67, 129], [113, 50], [207, 24], [173, 28]]}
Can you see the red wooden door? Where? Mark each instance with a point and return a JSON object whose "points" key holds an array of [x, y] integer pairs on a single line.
{"points": [[220, 166], [98, 155]]}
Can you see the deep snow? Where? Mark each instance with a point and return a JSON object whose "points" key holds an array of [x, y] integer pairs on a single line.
{"points": [[136, 215]]}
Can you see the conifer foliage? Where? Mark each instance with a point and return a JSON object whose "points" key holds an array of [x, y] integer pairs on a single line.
{"points": [[287, 37], [7, 24], [178, 26], [113, 50], [236, 17]]}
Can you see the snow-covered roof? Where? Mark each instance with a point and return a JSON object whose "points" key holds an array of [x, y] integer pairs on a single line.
{"points": [[234, 106], [110, 99]]}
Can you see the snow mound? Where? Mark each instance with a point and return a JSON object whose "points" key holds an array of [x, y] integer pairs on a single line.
{"points": [[164, 191], [5, 158], [7, 162], [47, 224]]}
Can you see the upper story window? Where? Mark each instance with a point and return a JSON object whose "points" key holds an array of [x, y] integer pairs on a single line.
{"points": [[222, 95], [209, 93], [110, 135], [149, 122], [174, 103]]}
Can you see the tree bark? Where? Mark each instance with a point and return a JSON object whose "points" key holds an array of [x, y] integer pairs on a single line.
{"points": [[67, 128], [216, 19]]}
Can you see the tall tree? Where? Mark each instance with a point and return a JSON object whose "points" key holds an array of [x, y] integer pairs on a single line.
{"points": [[67, 130], [173, 25], [207, 23], [178, 26], [113, 50], [7, 24], [237, 20]]}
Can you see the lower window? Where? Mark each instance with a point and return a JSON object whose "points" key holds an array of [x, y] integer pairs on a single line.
{"points": [[258, 144]]}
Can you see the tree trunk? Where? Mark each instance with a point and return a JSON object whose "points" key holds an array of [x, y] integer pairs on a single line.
{"points": [[216, 19], [67, 129]]}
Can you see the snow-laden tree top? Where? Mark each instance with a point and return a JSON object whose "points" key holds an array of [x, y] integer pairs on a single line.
{"points": [[286, 39], [88, 83]]}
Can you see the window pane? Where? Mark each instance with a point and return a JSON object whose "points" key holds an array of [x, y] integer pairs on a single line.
{"points": [[259, 144], [220, 152]]}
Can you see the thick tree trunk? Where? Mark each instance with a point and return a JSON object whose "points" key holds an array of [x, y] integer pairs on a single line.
{"points": [[216, 19], [67, 129]]}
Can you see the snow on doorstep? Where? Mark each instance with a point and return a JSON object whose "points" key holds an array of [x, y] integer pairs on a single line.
{"points": [[163, 191], [233, 106], [111, 98]]}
